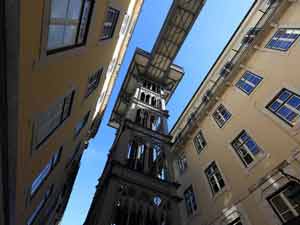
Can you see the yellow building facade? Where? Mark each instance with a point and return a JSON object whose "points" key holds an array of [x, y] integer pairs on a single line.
{"points": [[61, 61], [236, 145]]}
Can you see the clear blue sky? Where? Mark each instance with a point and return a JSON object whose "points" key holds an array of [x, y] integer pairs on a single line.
{"points": [[211, 32]]}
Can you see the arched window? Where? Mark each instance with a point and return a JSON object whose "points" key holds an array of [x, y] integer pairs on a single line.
{"points": [[157, 123], [148, 99], [144, 83], [145, 119], [142, 96], [140, 157], [163, 173], [155, 152], [130, 154], [157, 200], [149, 85], [158, 104], [153, 87], [152, 122], [158, 90], [153, 101], [138, 118]]}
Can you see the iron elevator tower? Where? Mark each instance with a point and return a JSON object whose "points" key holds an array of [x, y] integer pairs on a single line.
{"points": [[137, 185]]}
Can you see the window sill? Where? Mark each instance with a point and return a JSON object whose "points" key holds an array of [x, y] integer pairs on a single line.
{"points": [[249, 170], [220, 193], [58, 57]]}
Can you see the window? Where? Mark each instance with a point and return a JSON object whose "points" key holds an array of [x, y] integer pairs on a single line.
{"points": [[283, 39], [41, 177], [68, 24], [236, 222], [286, 203], [56, 157], [155, 123], [80, 125], [157, 200], [40, 206], [246, 148], [47, 122], [156, 151], [110, 23], [286, 105], [190, 200], [93, 82], [199, 142], [221, 115], [248, 82], [215, 178], [74, 155], [182, 164]]}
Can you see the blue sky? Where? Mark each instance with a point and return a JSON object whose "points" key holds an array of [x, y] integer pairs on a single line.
{"points": [[212, 30]]}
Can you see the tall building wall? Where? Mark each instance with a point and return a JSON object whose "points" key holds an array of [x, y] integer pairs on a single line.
{"points": [[248, 185], [57, 89]]}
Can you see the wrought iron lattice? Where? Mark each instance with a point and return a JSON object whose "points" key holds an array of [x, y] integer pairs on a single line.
{"points": [[180, 19]]}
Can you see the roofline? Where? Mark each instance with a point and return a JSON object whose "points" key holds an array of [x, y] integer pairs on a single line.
{"points": [[212, 67]]}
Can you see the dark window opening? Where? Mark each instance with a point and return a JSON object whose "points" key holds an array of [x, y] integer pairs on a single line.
{"points": [[190, 200], [110, 23]]}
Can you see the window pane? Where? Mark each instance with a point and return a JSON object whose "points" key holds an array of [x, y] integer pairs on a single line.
{"points": [[84, 21], [254, 80], [287, 216], [284, 111], [292, 117], [284, 96], [40, 178], [36, 212], [55, 36], [70, 35], [248, 159], [74, 9], [59, 8], [67, 106], [244, 136], [252, 146], [47, 122], [247, 88], [279, 204], [275, 105], [294, 101]]}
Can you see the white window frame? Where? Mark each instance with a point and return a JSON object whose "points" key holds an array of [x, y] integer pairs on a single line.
{"points": [[182, 164], [48, 121], [243, 146], [219, 117], [199, 142], [284, 104], [214, 176], [45, 172], [290, 206], [190, 200], [110, 24], [291, 41], [82, 24]]}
